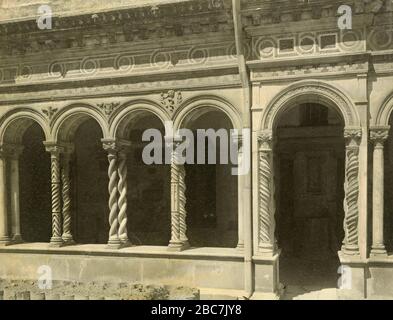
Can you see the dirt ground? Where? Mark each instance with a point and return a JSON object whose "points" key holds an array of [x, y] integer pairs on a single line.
{"points": [[66, 290]]}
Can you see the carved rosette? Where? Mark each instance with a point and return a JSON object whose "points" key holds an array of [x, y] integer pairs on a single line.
{"points": [[55, 152], [351, 187], [265, 192]]}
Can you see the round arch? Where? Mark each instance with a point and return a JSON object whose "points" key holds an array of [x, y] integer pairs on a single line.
{"points": [[195, 107], [310, 92], [67, 121], [130, 112], [384, 112], [15, 123]]}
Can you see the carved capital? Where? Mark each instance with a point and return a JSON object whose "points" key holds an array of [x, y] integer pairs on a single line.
{"points": [[53, 148], [352, 137], [265, 140], [378, 135], [113, 146]]}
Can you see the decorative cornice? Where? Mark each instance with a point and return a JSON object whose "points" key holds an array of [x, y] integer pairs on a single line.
{"points": [[122, 25]]}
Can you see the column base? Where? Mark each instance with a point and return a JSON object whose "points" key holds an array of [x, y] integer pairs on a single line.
{"points": [[114, 244], [266, 250], [378, 251], [17, 238], [56, 242], [350, 250], [178, 246], [5, 241]]}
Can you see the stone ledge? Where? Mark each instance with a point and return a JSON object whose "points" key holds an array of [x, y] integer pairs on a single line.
{"points": [[137, 251]]}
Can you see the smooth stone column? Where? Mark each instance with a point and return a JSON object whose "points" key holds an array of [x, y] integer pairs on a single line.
{"points": [[4, 233], [378, 136], [15, 153], [238, 141]]}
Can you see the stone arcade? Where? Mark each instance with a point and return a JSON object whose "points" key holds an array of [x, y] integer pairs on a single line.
{"points": [[75, 100]]}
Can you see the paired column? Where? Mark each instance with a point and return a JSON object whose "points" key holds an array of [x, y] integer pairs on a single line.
{"points": [[266, 206], [179, 240], [351, 187], [55, 151], [378, 136], [117, 188]]}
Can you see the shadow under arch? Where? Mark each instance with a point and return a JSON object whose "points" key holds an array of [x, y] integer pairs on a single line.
{"points": [[211, 189], [149, 185], [80, 128], [309, 169], [27, 129]]}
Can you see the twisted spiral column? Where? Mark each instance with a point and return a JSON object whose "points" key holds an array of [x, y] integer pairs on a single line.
{"points": [[179, 240], [65, 180], [56, 240], [122, 201], [182, 205], [351, 193], [175, 214], [113, 205], [265, 193]]}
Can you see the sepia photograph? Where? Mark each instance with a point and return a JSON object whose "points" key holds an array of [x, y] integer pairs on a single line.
{"points": [[196, 150]]}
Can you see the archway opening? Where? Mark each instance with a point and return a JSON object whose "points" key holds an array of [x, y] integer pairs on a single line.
{"points": [[211, 189], [309, 162], [148, 197], [89, 183], [35, 187], [388, 181]]}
